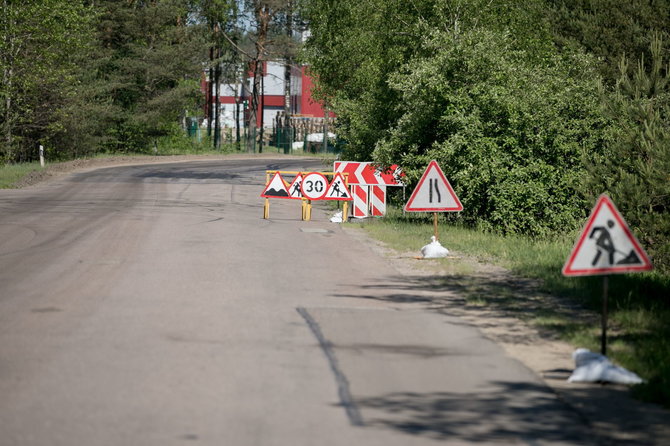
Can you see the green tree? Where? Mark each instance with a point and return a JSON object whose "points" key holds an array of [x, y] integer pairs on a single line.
{"points": [[40, 46], [635, 167], [148, 67], [356, 46], [609, 29], [268, 22], [221, 17], [509, 130]]}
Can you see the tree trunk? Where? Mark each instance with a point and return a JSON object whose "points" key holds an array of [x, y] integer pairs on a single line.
{"points": [[288, 60], [262, 126], [263, 16], [217, 103], [254, 106], [210, 115]]}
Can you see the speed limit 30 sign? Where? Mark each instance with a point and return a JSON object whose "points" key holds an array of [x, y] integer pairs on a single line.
{"points": [[314, 186]]}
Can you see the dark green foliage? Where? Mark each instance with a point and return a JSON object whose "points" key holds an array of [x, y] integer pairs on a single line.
{"points": [[480, 87], [41, 43], [635, 169], [356, 47], [353, 48], [82, 77], [509, 132], [147, 70], [609, 28]]}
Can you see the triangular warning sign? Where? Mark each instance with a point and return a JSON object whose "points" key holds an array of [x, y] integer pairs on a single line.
{"points": [[276, 188], [338, 190], [606, 245], [433, 193], [294, 190]]}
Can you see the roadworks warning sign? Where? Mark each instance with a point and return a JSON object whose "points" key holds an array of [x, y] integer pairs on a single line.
{"points": [[276, 188], [606, 245]]}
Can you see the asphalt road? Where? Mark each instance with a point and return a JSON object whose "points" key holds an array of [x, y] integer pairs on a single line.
{"points": [[152, 305]]}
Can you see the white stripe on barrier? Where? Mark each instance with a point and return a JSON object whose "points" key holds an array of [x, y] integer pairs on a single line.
{"points": [[361, 201]]}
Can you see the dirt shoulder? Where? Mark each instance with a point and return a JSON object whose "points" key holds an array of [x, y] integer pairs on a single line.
{"points": [[615, 417]]}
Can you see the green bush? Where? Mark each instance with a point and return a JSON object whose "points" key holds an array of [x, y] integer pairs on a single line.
{"points": [[508, 130]]}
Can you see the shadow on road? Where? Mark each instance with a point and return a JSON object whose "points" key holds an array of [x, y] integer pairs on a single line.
{"points": [[607, 410], [511, 412]]}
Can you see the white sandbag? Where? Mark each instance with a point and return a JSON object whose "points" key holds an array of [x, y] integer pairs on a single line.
{"points": [[594, 367], [434, 249], [337, 218]]}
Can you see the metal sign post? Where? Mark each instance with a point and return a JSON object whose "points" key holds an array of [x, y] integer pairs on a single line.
{"points": [[606, 246], [603, 338]]}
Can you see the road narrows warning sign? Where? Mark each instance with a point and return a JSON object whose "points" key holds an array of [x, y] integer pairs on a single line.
{"points": [[433, 193], [606, 245]]}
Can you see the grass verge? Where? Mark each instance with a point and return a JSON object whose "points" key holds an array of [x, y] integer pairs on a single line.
{"points": [[639, 304], [10, 174]]}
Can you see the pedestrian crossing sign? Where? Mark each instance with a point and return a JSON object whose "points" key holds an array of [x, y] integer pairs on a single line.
{"points": [[606, 245]]}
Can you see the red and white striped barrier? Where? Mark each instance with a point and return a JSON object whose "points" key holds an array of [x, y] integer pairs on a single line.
{"points": [[367, 174], [368, 186]]}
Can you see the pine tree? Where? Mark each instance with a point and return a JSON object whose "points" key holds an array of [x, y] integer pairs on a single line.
{"points": [[609, 28], [149, 63], [635, 171]]}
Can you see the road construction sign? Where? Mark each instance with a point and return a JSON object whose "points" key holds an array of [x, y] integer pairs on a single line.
{"points": [[433, 193], [606, 245], [314, 186], [338, 190], [295, 189], [366, 173], [276, 188]]}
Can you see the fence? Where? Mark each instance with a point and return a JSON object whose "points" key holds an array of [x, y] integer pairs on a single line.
{"points": [[301, 133]]}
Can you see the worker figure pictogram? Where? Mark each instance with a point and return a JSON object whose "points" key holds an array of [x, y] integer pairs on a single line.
{"points": [[604, 242], [335, 191], [296, 190]]}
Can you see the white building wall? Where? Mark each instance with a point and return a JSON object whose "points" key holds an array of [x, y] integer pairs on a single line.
{"points": [[274, 80]]}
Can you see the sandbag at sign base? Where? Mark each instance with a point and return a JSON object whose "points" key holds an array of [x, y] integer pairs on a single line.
{"points": [[594, 367], [337, 218], [434, 249]]}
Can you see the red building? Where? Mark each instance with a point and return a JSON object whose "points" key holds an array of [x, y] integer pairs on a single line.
{"points": [[234, 97]]}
